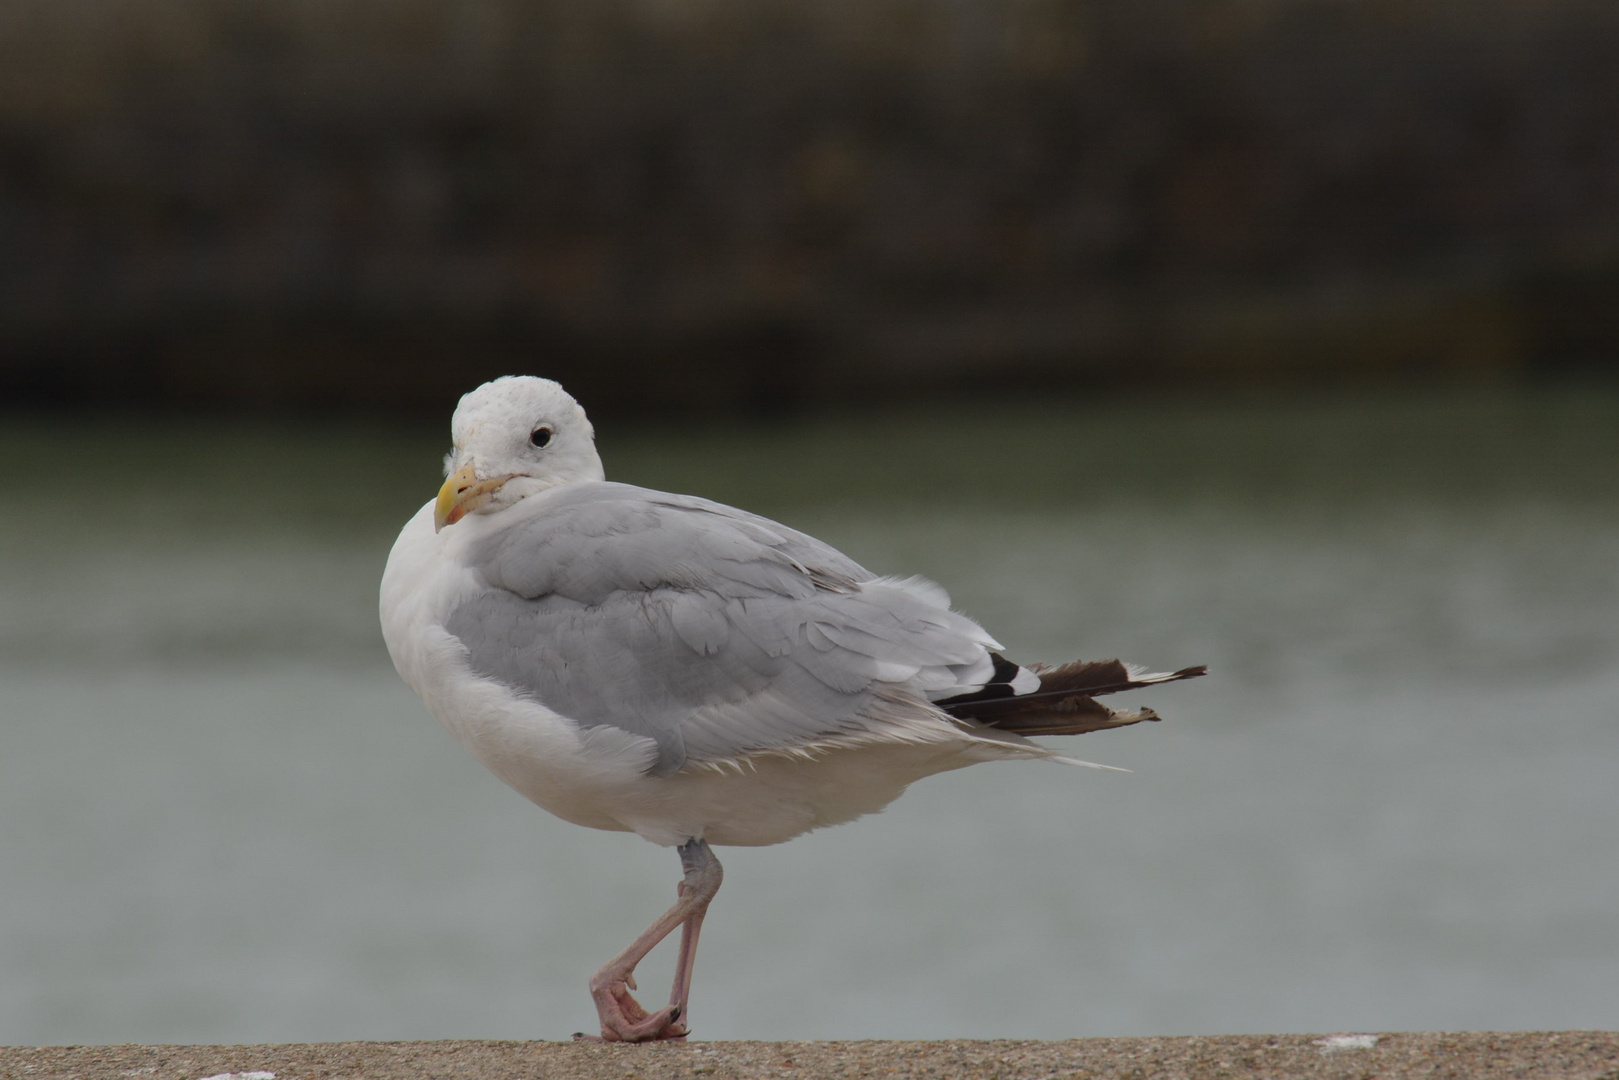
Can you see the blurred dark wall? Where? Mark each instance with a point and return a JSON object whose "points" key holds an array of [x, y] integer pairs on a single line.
{"points": [[770, 202]]}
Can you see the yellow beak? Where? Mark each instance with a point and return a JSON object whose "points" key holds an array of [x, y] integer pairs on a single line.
{"points": [[462, 494]]}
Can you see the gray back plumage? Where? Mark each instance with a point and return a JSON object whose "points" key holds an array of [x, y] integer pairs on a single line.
{"points": [[711, 631]]}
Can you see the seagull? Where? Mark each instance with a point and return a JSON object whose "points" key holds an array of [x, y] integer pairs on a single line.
{"points": [[644, 662]]}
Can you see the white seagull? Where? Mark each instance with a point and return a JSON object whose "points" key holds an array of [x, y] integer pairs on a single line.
{"points": [[665, 665]]}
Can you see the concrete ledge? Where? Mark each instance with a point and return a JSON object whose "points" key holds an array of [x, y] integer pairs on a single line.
{"points": [[1586, 1055]]}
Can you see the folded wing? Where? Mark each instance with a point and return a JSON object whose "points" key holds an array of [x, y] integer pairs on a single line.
{"points": [[710, 632]]}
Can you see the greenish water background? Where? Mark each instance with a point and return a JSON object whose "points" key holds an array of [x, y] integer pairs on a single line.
{"points": [[1392, 805]]}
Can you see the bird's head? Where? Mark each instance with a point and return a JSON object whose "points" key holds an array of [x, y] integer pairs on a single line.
{"points": [[513, 437]]}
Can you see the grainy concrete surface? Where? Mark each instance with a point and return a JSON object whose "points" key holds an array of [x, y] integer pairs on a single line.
{"points": [[1587, 1055]]}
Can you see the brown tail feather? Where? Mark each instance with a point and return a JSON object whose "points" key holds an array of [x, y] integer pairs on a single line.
{"points": [[1066, 702]]}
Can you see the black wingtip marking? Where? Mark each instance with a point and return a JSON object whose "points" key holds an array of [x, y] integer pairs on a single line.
{"points": [[1110, 677], [999, 686]]}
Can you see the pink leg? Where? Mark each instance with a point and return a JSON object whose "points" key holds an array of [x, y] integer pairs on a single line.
{"points": [[680, 992], [622, 1017]]}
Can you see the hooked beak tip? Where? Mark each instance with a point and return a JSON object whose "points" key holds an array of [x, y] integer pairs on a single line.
{"points": [[462, 492]]}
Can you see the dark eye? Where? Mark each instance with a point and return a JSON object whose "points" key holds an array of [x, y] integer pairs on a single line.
{"points": [[539, 436]]}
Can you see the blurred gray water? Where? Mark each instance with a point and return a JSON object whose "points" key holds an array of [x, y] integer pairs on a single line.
{"points": [[1394, 803]]}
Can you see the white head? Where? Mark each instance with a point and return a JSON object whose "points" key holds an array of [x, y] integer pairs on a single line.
{"points": [[511, 438]]}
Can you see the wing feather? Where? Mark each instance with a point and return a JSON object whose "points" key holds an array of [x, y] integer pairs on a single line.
{"points": [[709, 631]]}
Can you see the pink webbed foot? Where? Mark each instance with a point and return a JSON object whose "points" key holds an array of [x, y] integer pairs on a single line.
{"points": [[623, 1019]]}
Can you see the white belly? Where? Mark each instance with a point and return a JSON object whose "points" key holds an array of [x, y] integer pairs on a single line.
{"points": [[597, 777]]}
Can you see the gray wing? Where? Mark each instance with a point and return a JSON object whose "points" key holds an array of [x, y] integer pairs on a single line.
{"points": [[708, 630]]}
